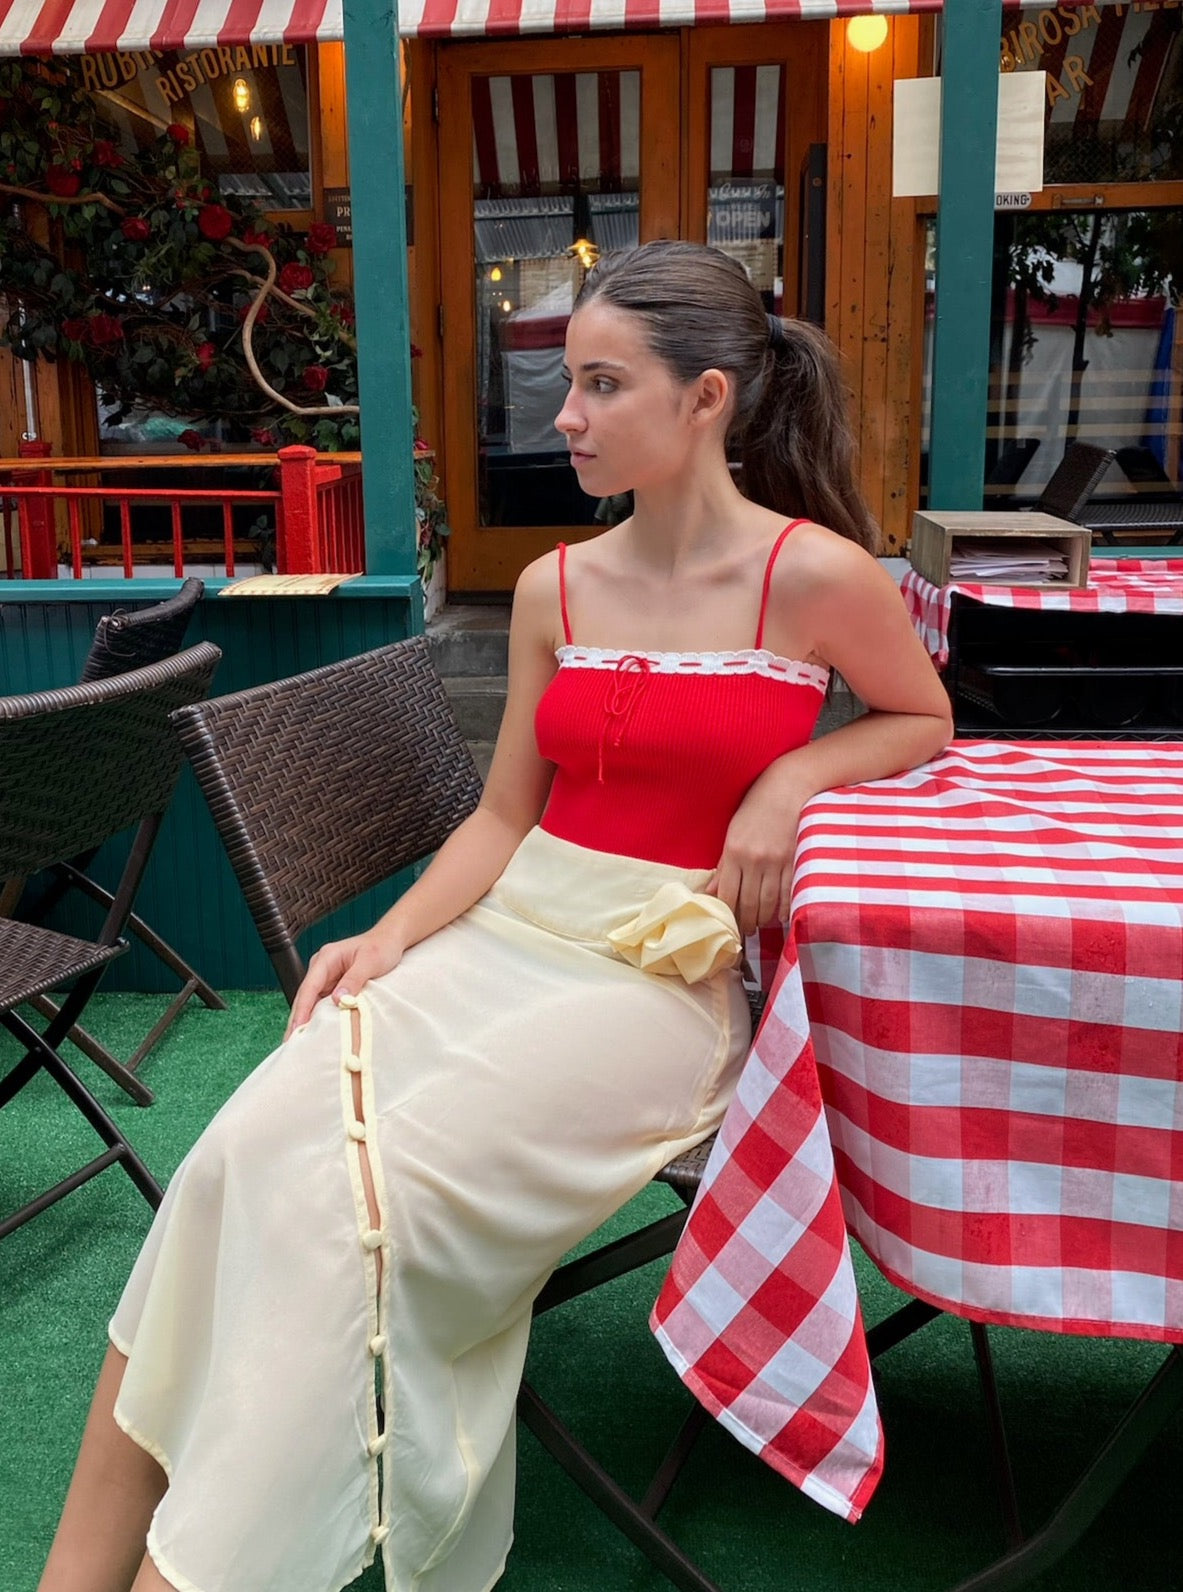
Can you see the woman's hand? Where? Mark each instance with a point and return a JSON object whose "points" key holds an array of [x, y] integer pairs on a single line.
{"points": [[755, 873], [343, 967]]}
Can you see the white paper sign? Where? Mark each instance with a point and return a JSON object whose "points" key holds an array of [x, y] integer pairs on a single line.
{"points": [[916, 148]]}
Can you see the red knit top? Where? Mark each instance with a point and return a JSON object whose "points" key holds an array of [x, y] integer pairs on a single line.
{"points": [[653, 751]]}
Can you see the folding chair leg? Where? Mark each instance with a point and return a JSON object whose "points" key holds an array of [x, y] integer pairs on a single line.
{"points": [[42, 1055], [624, 1512], [1155, 1406], [1004, 1476], [671, 1466], [90, 1047]]}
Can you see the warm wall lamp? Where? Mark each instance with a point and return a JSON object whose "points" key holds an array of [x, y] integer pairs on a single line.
{"points": [[242, 95], [866, 33]]}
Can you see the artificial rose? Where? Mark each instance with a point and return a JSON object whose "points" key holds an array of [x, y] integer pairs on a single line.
{"points": [[193, 440], [215, 222], [265, 438], [179, 134], [263, 316], [344, 313], [135, 229], [315, 378], [103, 330], [261, 240], [321, 238], [295, 278], [62, 182], [206, 354], [76, 328], [105, 154]]}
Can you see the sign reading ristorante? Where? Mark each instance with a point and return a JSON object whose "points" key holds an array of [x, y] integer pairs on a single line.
{"points": [[176, 82]]}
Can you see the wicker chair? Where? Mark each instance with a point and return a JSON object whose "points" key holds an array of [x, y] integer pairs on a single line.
{"points": [[312, 815], [122, 641], [1074, 480], [81, 765]]}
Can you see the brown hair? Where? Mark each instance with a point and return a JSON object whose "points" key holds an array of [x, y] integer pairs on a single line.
{"points": [[790, 427]]}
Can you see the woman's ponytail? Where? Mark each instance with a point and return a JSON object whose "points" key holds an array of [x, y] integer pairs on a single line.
{"points": [[797, 450]]}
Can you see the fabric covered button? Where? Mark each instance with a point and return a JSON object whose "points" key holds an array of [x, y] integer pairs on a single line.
{"points": [[353, 1064], [372, 1239], [378, 1344], [380, 1533], [357, 1131], [376, 1445]]}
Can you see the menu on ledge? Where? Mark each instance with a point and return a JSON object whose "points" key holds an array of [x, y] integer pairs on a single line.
{"points": [[1003, 561]]}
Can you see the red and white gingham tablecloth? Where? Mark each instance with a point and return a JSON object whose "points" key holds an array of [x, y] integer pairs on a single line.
{"points": [[1116, 586], [985, 957]]}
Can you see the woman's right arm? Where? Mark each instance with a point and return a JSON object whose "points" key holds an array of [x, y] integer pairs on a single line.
{"points": [[476, 853]]}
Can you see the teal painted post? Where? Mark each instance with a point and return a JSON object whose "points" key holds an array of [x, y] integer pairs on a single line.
{"points": [[965, 250], [377, 189]]}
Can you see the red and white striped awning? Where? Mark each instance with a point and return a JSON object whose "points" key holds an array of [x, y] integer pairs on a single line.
{"points": [[81, 27]]}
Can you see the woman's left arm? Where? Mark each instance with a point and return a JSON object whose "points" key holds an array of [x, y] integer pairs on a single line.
{"points": [[853, 610]]}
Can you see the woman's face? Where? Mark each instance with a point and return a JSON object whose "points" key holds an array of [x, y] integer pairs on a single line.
{"points": [[626, 419]]}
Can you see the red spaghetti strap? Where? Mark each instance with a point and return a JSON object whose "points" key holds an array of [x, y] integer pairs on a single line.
{"points": [[563, 592], [776, 547]]}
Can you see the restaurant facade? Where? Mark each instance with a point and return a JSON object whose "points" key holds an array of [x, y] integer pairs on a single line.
{"points": [[539, 136]]}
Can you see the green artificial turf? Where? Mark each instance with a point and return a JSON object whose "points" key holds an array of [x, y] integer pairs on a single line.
{"points": [[932, 1522]]}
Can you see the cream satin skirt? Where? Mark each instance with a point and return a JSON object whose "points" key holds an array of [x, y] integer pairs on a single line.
{"points": [[523, 1073]]}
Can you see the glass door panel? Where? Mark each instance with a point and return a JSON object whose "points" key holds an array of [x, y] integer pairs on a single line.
{"points": [[571, 153], [556, 169], [746, 191]]}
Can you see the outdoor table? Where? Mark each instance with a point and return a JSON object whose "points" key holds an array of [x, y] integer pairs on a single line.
{"points": [[971, 1060], [1116, 586]]}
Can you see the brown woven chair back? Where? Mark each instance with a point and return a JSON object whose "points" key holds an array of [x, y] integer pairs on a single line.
{"points": [[133, 640], [81, 764], [1074, 480], [330, 782]]}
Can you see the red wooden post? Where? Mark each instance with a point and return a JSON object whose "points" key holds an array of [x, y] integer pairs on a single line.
{"points": [[301, 538], [39, 543]]}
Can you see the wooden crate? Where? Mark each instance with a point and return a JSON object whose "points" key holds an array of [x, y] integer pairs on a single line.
{"points": [[934, 533]]}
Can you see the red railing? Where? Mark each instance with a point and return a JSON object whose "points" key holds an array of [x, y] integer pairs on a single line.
{"points": [[316, 509]]}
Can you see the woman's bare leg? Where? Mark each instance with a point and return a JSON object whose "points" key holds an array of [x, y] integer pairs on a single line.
{"points": [[99, 1546]]}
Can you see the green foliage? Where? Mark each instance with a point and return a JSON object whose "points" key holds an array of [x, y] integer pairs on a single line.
{"points": [[146, 274]]}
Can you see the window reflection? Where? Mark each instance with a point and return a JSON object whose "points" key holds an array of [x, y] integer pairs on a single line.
{"points": [[746, 198]]}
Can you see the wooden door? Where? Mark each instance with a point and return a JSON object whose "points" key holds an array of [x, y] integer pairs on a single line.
{"points": [[550, 151]]}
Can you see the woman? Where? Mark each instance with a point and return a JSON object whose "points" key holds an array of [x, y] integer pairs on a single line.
{"points": [[549, 1015]]}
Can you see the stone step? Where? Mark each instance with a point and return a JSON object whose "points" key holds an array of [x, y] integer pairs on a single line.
{"points": [[470, 640], [478, 701]]}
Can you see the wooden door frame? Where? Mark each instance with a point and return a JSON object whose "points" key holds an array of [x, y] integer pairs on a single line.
{"points": [[801, 49], [471, 567]]}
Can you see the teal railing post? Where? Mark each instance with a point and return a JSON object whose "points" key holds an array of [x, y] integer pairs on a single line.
{"points": [[373, 86], [965, 251]]}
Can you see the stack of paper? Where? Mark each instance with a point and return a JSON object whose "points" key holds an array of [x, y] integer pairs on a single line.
{"points": [[1006, 561]]}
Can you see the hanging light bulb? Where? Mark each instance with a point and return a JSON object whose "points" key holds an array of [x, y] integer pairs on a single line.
{"points": [[507, 305], [256, 125], [866, 33], [495, 274], [242, 95]]}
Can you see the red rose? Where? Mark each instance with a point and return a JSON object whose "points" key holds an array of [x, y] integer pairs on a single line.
{"points": [[179, 135], [261, 240], [295, 278], [192, 439], [416, 351], [321, 238], [105, 154], [215, 222], [344, 313], [135, 229], [103, 330], [206, 354], [261, 318], [76, 328], [315, 378], [265, 438], [62, 182]]}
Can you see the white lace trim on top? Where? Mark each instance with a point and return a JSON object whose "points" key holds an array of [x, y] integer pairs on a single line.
{"points": [[750, 660]]}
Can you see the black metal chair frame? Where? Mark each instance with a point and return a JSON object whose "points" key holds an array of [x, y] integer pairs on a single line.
{"points": [[1074, 480], [122, 641], [79, 766], [236, 744]]}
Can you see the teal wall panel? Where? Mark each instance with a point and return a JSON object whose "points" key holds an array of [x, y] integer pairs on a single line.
{"points": [[189, 894]]}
